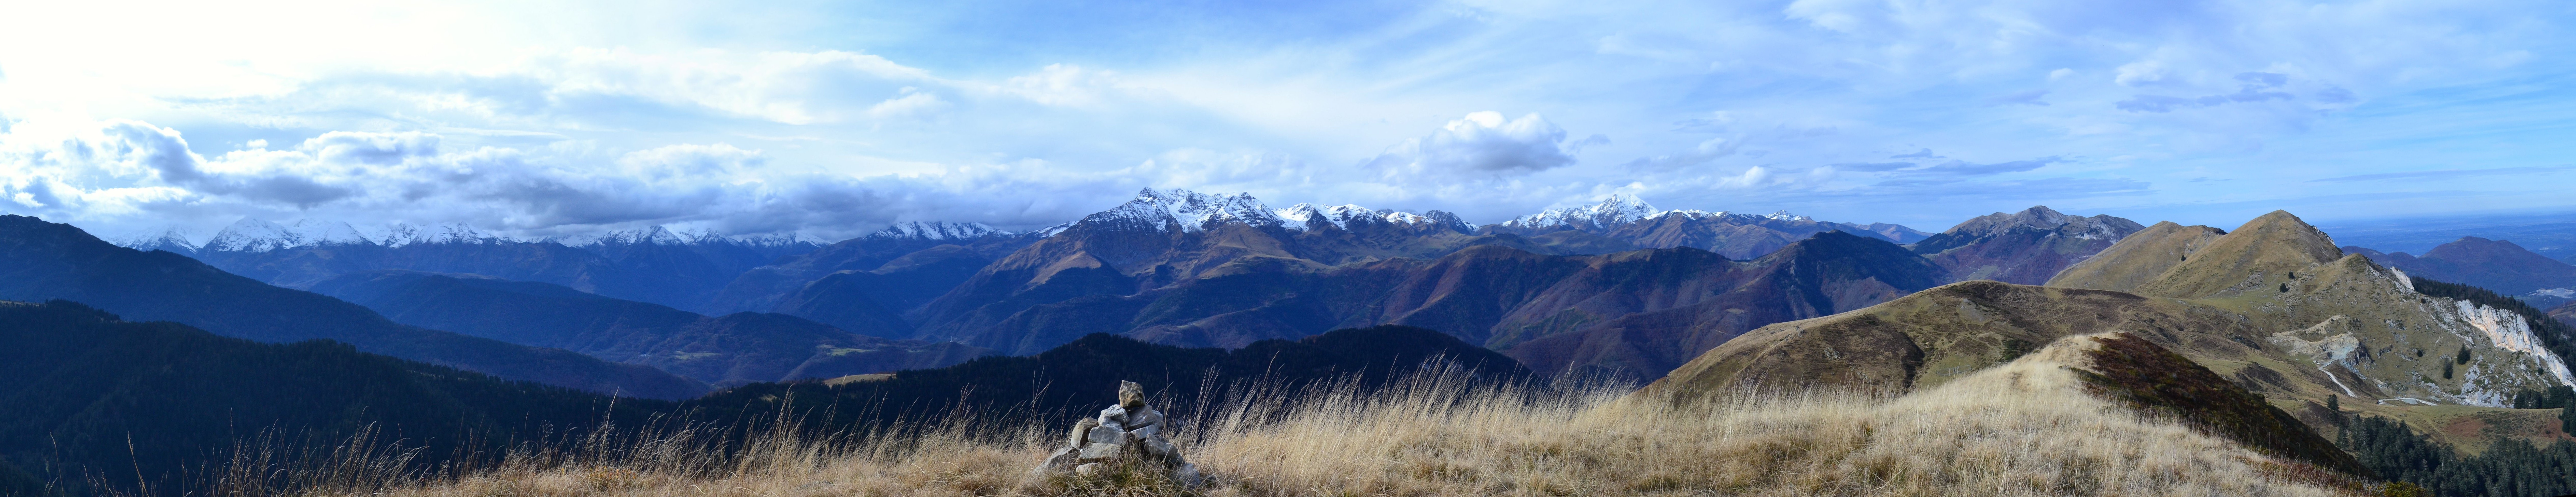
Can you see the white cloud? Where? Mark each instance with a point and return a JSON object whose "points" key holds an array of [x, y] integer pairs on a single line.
{"points": [[568, 116], [1480, 145]]}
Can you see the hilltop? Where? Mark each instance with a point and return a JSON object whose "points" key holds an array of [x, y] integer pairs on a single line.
{"points": [[2272, 305]]}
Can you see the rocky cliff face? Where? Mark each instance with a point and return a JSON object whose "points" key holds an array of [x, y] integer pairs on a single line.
{"points": [[2272, 304]]}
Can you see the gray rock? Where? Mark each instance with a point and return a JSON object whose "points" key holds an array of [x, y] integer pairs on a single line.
{"points": [[1129, 433]]}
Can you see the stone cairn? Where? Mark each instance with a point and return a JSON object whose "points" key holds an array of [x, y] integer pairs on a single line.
{"points": [[1128, 434]]}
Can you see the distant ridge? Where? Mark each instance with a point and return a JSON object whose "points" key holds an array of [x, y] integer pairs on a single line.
{"points": [[43, 261]]}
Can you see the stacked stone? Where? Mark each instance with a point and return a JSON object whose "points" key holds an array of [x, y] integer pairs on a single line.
{"points": [[1128, 433]]}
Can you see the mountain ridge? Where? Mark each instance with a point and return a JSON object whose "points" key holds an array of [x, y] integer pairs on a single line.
{"points": [[2272, 305], [43, 261]]}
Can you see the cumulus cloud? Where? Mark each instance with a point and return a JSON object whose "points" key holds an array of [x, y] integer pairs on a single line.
{"points": [[1018, 127], [1482, 144], [135, 175]]}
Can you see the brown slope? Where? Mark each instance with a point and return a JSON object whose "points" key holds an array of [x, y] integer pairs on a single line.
{"points": [[2260, 255], [2124, 368], [1640, 320], [1931, 337], [2138, 259], [2269, 307]]}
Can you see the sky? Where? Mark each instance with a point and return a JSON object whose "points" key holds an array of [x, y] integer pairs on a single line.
{"points": [[834, 119]]}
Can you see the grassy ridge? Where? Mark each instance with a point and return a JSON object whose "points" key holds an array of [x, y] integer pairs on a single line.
{"points": [[2027, 428]]}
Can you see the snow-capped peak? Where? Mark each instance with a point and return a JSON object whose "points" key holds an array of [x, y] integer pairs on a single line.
{"points": [[935, 230], [653, 235], [166, 238], [779, 240], [1786, 216], [253, 235], [1618, 209], [1298, 217], [1192, 211], [402, 234]]}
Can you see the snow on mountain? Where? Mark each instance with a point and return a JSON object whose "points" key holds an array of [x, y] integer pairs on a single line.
{"points": [[1191, 211], [1297, 217], [1618, 209], [401, 234], [1622, 209], [651, 235], [935, 230], [776, 240], [1786, 216], [171, 239], [253, 235]]}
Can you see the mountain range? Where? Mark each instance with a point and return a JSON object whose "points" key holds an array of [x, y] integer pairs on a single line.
{"points": [[2270, 334], [723, 351], [1618, 288], [42, 261], [682, 270]]}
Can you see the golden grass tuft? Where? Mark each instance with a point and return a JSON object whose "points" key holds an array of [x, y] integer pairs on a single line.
{"points": [[2020, 429]]}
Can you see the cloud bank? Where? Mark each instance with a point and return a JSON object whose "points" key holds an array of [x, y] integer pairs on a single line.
{"points": [[580, 117]]}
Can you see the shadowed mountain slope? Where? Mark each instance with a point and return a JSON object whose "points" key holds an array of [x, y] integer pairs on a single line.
{"points": [[88, 399], [2026, 247], [43, 261], [729, 350], [1071, 379], [1639, 319], [913, 246], [1162, 239], [1635, 313]]}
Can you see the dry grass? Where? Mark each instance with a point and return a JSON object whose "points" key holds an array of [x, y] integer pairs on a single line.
{"points": [[2020, 429]]}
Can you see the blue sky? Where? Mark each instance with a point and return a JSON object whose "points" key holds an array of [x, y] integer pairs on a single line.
{"points": [[836, 118]]}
